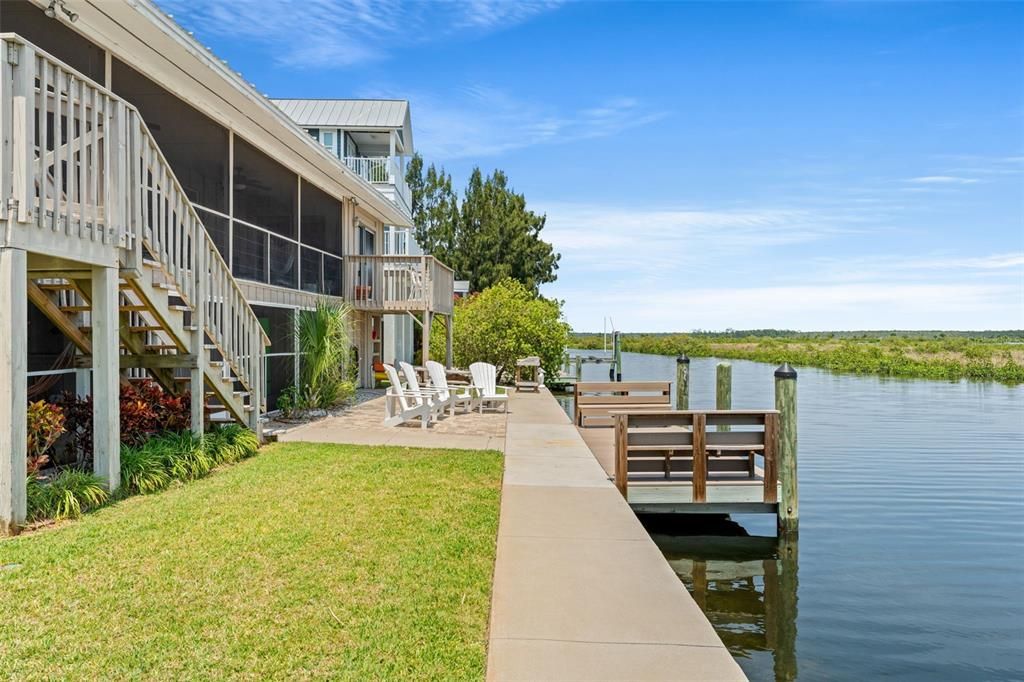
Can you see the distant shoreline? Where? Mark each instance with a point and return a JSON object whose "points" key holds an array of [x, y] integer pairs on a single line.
{"points": [[979, 356]]}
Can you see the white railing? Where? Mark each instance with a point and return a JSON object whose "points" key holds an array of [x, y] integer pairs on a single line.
{"points": [[396, 241], [82, 163], [383, 170], [376, 169], [398, 283]]}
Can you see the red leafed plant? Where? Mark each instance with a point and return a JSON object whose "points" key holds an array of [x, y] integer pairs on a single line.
{"points": [[45, 426], [146, 410]]}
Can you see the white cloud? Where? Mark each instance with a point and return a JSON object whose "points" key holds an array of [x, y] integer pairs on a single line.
{"points": [[652, 240], [810, 307], [677, 269], [943, 180], [339, 33], [480, 121]]}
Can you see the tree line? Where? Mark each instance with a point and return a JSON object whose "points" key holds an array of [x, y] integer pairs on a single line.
{"points": [[487, 236]]}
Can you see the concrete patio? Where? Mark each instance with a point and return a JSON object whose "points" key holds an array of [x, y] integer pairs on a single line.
{"points": [[362, 425]]}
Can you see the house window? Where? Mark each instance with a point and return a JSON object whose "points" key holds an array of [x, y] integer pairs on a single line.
{"points": [[327, 139]]}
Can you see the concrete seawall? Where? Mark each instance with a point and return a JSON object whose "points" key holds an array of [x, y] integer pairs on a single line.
{"points": [[580, 590]]}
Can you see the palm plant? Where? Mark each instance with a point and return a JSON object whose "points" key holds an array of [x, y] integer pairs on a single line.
{"points": [[324, 343]]}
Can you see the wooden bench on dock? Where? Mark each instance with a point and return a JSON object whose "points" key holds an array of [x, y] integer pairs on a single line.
{"points": [[596, 400], [667, 460]]}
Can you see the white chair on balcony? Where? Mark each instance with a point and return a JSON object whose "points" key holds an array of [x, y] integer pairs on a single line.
{"points": [[452, 396], [485, 381], [401, 405], [430, 396]]}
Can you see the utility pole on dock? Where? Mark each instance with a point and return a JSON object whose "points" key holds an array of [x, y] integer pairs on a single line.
{"points": [[785, 403], [682, 382]]}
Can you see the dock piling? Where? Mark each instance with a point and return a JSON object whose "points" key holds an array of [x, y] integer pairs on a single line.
{"points": [[616, 371], [785, 403], [682, 382], [723, 389]]}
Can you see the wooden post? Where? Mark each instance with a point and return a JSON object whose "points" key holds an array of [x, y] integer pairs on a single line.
{"points": [[579, 369], [700, 459], [13, 387], [425, 355], [106, 403], [723, 390], [617, 352], [449, 358], [621, 454], [197, 383], [682, 382], [785, 403]]}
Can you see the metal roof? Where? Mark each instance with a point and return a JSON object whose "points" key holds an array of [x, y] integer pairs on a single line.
{"points": [[351, 114]]}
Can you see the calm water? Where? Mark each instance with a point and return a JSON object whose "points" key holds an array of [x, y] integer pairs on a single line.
{"points": [[910, 561]]}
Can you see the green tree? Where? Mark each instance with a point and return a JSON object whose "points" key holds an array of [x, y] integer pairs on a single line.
{"points": [[499, 237], [502, 324], [492, 235], [435, 211]]}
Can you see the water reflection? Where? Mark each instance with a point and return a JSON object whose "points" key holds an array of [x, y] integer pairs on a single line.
{"points": [[746, 585]]}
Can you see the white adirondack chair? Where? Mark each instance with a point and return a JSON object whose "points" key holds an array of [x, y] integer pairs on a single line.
{"points": [[400, 405], [485, 381], [452, 397], [430, 396]]}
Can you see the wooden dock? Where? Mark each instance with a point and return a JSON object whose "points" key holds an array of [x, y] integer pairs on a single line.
{"points": [[719, 461]]}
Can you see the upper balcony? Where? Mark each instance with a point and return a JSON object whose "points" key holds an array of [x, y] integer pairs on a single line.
{"points": [[371, 137], [387, 173], [392, 284]]}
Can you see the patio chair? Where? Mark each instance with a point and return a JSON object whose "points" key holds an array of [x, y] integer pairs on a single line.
{"points": [[485, 381], [430, 396], [452, 396], [401, 405]]}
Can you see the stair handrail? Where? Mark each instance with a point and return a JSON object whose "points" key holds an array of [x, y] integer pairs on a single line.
{"points": [[129, 149]]}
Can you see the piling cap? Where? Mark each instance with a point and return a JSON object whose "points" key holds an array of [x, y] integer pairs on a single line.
{"points": [[785, 371], [682, 359]]}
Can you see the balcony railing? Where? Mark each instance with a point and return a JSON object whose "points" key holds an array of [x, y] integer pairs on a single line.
{"points": [[399, 283], [384, 170]]}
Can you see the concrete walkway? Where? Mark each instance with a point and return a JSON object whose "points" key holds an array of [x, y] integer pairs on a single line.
{"points": [[580, 590]]}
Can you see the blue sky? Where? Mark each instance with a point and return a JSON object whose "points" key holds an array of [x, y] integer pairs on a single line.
{"points": [[839, 165]]}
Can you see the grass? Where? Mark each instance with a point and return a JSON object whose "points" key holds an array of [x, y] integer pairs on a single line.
{"points": [[933, 355], [347, 562]]}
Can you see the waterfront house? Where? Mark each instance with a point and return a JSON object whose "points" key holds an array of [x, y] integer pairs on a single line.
{"points": [[160, 217], [374, 138]]}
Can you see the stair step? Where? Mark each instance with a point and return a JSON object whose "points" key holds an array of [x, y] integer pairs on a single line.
{"points": [[151, 263], [182, 308], [133, 308], [161, 346], [75, 308], [57, 287], [146, 328]]}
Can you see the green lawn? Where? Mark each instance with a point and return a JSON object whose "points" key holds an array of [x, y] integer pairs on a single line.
{"points": [[307, 561]]}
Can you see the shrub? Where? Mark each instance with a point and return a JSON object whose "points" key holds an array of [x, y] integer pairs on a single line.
{"points": [[45, 426], [182, 455], [242, 439], [39, 507], [73, 492], [503, 324], [146, 410], [324, 343], [142, 470]]}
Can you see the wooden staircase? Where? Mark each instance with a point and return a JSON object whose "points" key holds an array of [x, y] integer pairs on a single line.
{"points": [[92, 187], [156, 329]]}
